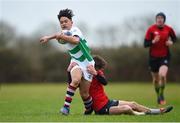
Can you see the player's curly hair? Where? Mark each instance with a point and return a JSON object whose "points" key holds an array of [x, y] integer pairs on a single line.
{"points": [[65, 13], [100, 63]]}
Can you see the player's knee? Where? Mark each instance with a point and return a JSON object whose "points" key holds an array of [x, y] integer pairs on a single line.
{"points": [[84, 95], [127, 108], [133, 104], [163, 72], [162, 75], [75, 82]]}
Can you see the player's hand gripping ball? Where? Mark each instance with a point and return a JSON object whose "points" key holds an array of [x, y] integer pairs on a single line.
{"points": [[65, 32]]}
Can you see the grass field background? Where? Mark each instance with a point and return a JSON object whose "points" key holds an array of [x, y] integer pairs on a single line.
{"points": [[41, 102]]}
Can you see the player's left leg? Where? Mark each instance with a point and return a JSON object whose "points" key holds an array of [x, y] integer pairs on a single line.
{"points": [[87, 99], [135, 106], [123, 109], [155, 77], [162, 81]]}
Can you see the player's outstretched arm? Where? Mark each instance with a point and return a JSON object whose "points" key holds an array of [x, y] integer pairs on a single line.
{"points": [[45, 39], [60, 36]]}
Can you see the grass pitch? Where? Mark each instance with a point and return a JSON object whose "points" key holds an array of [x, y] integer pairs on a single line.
{"points": [[41, 102]]}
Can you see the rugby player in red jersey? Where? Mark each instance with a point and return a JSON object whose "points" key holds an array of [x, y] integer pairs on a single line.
{"points": [[103, 105], [159, 37]]}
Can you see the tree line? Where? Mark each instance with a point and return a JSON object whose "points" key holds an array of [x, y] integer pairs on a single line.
{"points": [[24, 59]]}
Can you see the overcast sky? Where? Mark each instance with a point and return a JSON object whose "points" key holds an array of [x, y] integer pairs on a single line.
{"points": [[27, 15]]}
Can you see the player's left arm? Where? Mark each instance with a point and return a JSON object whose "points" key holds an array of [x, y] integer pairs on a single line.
{"points": [[101, 78], [98, 74], [172, 38], [173, 35]]}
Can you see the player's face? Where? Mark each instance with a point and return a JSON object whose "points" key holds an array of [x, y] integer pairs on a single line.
{"points": [[65, 23], [159, 20]]}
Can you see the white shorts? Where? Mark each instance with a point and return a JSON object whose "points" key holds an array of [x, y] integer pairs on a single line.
{"points": [[83, 66]]}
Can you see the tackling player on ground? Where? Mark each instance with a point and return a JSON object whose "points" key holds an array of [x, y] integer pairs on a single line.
{"points": [[159, 37], [103, 105], [80, 59]]}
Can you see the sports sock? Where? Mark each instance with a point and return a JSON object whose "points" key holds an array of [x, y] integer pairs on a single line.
{"points": [[155, 111], [88, 102], [157, 88], [69, 94], [161, 90]]}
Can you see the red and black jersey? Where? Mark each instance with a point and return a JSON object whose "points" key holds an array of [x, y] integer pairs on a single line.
{"points": [[159, 49], [96, 91]]}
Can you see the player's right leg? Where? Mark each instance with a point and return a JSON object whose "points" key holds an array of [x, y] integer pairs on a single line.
{"points": [[84, 90], [76, 75], [155, 78], [140, 108], [87, 99], [154, 65]]}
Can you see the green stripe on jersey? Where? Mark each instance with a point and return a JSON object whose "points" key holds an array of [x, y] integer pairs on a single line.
{"points": [[84, 50], [74, 50], [81, 58]]}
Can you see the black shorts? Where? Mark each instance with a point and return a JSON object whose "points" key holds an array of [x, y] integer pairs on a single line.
{"points": [[105, 109], [155, 63]]}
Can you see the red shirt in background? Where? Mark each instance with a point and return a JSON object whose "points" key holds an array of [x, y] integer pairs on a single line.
{"points": [[159, 49]]}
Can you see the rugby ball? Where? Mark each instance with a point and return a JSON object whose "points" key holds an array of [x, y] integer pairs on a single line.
{"points": [[65, 32]]}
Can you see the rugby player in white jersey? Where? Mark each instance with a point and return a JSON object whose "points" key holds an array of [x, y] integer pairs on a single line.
{"points": [[72, 38]]}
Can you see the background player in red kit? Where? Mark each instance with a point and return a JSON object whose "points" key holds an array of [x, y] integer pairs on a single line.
{"points": [[102, 104], [159, 37]]}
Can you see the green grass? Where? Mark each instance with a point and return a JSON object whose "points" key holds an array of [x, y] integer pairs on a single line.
{"points": [[41, 102]]}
